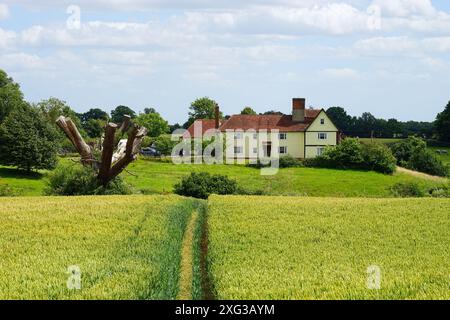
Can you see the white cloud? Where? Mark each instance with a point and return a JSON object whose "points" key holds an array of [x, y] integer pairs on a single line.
{"points": [[4, 11], [20, 61], [343, 73], [402, 46], [406, 8]]}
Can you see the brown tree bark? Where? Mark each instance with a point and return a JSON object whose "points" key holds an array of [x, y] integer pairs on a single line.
{"points": [[106, 173], [107, 153], [71, 131]]}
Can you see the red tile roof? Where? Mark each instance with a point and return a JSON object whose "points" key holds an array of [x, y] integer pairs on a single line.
{"points": [[282, 123], [206, 124]]}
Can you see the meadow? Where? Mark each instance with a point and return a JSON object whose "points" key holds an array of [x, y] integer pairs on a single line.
{"points": [[155, 177], [126, 247], [316, 248]]}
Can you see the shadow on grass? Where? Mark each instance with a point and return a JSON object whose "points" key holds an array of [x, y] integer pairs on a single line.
{"points": [[20, 174]]}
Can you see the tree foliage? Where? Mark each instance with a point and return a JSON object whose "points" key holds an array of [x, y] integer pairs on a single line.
{"points": [[118, 113], [11, 97], [203, 108], [367, 124], [248, 111], [442, 124], [27, 140], [155, 124]]}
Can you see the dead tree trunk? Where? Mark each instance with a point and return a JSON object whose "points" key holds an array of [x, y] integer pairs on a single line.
{"points": [[107, 170], [71, 131]]}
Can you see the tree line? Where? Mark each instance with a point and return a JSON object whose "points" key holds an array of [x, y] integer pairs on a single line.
{"points": [[29, 138]]}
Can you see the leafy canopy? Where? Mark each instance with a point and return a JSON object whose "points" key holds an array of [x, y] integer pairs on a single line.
{"points": [[248, 111], [155, 124], [442, 124], [203, 108], [118, 113], [27, 140], [10, 95]]}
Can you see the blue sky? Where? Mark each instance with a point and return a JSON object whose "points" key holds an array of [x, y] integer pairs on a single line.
{"points": [[389, 57]]}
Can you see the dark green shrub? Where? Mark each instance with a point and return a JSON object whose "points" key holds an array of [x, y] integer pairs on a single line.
{"points": [[427, 162], [407, 190], [405, 149], [202, 185], [290, 162], [379, 158], [352, 154], [76, 180], [347, 155]]}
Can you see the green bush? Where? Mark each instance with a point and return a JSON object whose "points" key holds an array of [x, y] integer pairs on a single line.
{"points": [[290, 162], [427, 162], [407, 190], [76, 180], [352, 154], [346, 155], [405, 149], [379, 158], [202, 185]]}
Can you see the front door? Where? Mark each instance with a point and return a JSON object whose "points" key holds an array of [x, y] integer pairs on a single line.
{"points": [[267, 146]]}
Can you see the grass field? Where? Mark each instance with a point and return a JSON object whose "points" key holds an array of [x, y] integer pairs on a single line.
{"points": [[151, 177], [315, 248], [126, 247], [156, 177]]}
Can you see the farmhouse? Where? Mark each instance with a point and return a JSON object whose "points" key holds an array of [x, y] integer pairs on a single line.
{"points": [[303, 134]]}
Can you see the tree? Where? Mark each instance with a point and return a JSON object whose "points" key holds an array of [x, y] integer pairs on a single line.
{"points": [[94, 114], [10, 95], [52, 108], [118, 113], [154, 123], [203, 108], [248, 111], [150, 110], [272, 113], [340, 118], [442, 124], [174, 127], [94, 128], [110, 164], [27, 140]]}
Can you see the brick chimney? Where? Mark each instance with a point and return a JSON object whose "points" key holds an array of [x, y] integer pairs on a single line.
{"points": [[298, 109], [217, 115]]}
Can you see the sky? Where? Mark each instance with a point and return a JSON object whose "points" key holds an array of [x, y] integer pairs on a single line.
{"points": [[387, 57]]}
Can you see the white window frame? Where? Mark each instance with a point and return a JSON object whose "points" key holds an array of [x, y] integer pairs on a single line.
{"points": [[238, 150], [255, 136], [320, 151], [282, 136], [322, 136], [283, 150], [255, 150], [238, 135]]}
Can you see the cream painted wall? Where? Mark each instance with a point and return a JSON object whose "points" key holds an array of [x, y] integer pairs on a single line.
{"points": [[312, 139], [317, 126]]}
